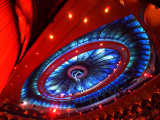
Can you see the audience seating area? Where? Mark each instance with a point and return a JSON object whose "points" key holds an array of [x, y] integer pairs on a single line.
{"points": [[147, 109]]}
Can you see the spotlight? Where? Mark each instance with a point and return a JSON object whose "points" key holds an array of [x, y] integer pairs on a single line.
{"points": [[106, 10], [80, 113], [15, 67], [70, 15], [100, 106], [85, 20], [101, 44], [129, 91], [51, 36], [25, 103], [33, 105], [54, 110], [147, 75], [62, 95]]}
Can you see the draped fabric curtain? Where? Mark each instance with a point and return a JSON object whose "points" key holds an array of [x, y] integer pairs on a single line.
{"points": [[16, 19], [9, 40]]}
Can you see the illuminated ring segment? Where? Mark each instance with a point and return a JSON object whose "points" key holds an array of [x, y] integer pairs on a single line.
{"points": [[121, 48]]}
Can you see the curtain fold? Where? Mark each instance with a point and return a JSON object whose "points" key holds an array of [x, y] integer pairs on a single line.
{"points": [[9, 41]]}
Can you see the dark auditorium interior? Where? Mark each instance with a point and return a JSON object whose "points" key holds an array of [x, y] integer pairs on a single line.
{"points": [[79, 59]]}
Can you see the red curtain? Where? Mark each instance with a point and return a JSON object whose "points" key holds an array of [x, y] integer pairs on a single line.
{"points": [[9, 40]]}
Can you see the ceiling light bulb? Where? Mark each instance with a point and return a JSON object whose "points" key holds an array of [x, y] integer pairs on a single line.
{"points": [[70, 15], [54, 110], [24, 103], [85, 20], [101, 44], [106, 10], [51, 36]]}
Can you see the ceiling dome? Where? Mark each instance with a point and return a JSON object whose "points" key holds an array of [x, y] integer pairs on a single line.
{"points": [[84, 71], [92, 66]]}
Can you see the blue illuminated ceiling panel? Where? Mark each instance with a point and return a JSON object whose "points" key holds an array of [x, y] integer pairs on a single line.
{"points": [[99, 64], [127, 31]]}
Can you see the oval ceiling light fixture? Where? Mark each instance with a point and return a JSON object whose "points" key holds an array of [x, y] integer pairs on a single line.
{"points": [[80, 67], [113, 55]]}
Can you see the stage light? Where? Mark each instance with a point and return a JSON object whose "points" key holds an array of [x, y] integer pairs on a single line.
{"points": [[85, 20], [33, 105], [15, 67], [147, 75], [106, 10], [129, 91], [68, 110], [54, 110], [123, 48], [51, 36], [101, 44], [25, 103], [70, 15], [80, 113], [62, 95], [100, 106]]}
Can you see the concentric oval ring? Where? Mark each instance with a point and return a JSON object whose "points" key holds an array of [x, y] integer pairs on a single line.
{"points": [[121, 48]]}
